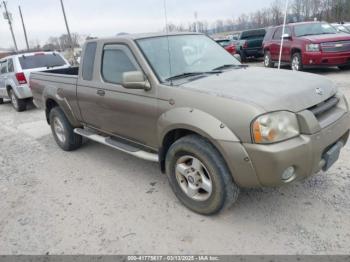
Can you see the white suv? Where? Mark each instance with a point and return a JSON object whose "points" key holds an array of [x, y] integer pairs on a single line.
{"points": [[15, 71]]}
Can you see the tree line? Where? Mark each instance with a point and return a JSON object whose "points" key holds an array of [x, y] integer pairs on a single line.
{"points": [[298, 11]]}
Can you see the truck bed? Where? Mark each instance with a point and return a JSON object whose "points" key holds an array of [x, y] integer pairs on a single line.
{"points": [[64, 79]]}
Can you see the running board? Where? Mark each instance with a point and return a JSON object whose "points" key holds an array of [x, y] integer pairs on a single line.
{"points": [[117, 144]]}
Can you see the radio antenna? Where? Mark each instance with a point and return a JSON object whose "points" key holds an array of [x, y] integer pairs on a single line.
{"points": [[167, 37]]}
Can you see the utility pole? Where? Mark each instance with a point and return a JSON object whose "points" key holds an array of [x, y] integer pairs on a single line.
{"points": [[8, 17], [283, 31], [24, 27], [67, 27], [68, 31], [196, 21]]}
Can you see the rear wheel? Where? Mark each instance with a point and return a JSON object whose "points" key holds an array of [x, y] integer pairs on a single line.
{"points": [[267, 60], [63, 131], [297, 64], [1, 101], [344, 67], [19, 105], [199, 177]]}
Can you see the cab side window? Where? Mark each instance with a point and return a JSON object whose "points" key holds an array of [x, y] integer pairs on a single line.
{"points": [[89, 61], [116, 60]]}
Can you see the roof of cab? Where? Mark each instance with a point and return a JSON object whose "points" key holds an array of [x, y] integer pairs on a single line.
{"points": [[142, 36]]}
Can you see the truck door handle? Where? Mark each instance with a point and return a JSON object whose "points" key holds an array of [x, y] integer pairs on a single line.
{"points": [[101, 92]]}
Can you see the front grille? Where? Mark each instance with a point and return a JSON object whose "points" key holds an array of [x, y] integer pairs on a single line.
{"points": [[324, 107], [341, 46]]}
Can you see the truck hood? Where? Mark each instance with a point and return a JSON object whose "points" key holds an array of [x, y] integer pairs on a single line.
{"points": [[318, 39], [269, 89]]}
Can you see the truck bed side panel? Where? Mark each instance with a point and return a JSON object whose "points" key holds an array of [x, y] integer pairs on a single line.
{"points": [[60, 88]]}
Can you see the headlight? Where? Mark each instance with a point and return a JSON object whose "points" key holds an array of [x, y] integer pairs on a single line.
{"points": [[275, 127], [313, 48]]}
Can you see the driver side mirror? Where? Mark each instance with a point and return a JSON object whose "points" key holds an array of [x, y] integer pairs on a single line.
{"points": [[287, 37], [135, 80]]}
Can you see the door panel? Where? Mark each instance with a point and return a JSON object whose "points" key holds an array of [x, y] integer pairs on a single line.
{"points": [[108, 106]]}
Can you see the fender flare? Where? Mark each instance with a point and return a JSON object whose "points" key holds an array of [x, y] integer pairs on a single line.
{"points": [[49, 94], [217, 133], [194, 120]]}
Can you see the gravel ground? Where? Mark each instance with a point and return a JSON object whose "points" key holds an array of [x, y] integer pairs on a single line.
{"points": [[100, 201]]}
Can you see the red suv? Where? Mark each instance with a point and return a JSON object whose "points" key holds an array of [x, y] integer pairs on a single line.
{"points": [[308, 44]]}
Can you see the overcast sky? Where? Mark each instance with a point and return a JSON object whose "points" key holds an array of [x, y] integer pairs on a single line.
{"points": [[100, 18]]}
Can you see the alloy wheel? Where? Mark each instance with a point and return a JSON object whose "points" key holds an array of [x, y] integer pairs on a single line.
{"points": [[193, 178], [59, 130]]}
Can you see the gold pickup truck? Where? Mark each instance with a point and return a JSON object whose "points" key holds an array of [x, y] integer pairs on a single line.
{"points": [[213, 124]]}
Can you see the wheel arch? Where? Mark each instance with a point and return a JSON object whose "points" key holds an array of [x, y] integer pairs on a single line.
{"points": [[51, 102], [181, 122], [10, 87], [295, 50]]}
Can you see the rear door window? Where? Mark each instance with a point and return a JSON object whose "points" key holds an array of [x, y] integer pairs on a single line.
{"points": [[10, 67], [3, 69], [259, 33], [40, 61]]}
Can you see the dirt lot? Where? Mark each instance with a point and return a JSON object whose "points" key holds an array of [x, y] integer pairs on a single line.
{"points": [[100, 201]]}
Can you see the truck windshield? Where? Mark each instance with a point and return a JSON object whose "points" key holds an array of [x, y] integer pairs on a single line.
{"points": [[177, 55], [314, 29], [40, 61]]}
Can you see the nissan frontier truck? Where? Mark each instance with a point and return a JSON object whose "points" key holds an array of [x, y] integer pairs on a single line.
{"points": [[213, 124]]}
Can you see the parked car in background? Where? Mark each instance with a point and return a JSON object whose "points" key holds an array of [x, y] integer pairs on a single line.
{"points": [[228, 45], [308, 44], [343, 28], [15, 71], [211, 123], [249, 43]]}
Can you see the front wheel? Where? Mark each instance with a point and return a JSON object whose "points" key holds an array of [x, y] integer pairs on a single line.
{"points": [[297, 63], [1, 101], [63, 131], [19, 105], [199, 177]]}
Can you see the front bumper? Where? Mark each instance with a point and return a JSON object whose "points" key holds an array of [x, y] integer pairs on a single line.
{"points": [[311, 59], [304, 153]]}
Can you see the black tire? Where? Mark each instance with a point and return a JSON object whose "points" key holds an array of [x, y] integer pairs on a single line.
{"points": [[243, 56], [297, 59], [268, 60], [1, 101], [224, 191], [71, 140], [19, 105], [344, 67]]}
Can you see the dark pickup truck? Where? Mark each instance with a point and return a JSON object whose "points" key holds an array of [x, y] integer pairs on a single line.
{"points": [[211, 123], [249, 43]]}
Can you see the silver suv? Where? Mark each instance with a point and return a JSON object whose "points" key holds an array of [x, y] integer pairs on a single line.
{"points": [[15, 71]]}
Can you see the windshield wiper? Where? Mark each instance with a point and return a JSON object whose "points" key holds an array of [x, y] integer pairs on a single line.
{"points": [[189, 74], [229, 66]]}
